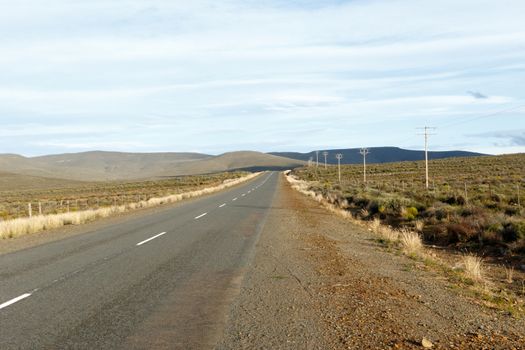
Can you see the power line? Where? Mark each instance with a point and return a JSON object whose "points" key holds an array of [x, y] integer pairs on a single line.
{"points": [[464, 121], [483, 116]]}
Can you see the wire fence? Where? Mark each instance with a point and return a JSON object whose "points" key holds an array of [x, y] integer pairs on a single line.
{"points": [[20, 204]]}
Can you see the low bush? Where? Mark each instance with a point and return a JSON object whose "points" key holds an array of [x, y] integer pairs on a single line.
{"points": [[455, 200], [410, 213], [513, 231], [460, 232]]}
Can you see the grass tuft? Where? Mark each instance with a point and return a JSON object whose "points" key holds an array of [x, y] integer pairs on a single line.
{"points": [[411, 242], [473, 266]]}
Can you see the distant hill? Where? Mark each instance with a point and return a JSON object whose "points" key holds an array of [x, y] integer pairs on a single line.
{"points": [[377, 155], [19, 182], [243, 160], [108, 166], [103, 166]]}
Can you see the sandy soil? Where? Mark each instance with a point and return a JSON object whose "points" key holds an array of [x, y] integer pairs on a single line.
{"points": [[317, 282]]}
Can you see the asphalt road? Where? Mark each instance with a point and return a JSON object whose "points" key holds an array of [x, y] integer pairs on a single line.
{"points": [[162, 281]]}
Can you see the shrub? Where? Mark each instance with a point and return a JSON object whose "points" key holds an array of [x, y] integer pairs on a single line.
{"points": [[511, 211], [394, 204], [513, 231], [491, 204], [373, 207], [436, 233], [495, 198], [361, 202], [460, 232], [455, 200], [442, 213], [410, 213], [490, 237]]}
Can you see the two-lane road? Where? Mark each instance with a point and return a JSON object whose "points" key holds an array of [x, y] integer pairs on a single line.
{"points": [[165, 280]]}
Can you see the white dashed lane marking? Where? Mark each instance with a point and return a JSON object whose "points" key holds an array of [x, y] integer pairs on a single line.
{"points": [[150, 239], [15, 300]]}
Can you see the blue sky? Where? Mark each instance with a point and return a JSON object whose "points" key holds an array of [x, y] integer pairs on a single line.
{"points": [[272, 75]]}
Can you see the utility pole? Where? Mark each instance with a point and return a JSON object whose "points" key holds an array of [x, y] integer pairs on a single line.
{"points": [[426, 133], [339, 156], [364, 152], [317, 159], [325, 154]]}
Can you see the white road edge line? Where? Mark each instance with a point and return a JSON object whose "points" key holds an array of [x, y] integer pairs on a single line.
{"points": [[222, 205], [234, 199], [150, 239], [15, 300], [200, 216]]}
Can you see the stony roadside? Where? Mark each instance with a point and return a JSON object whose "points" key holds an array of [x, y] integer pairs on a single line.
{"points": [[318, 282]]}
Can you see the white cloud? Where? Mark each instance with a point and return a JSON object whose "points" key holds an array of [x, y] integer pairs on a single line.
{"points": [[213, 68]]}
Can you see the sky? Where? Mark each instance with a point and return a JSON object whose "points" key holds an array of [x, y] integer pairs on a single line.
{"points": [[214, 76]]}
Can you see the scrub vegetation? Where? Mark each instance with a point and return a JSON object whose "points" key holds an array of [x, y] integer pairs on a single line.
{"points": [[469, 225], [473, 204], [106, 199]]}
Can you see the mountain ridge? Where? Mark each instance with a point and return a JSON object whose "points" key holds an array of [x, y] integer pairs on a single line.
{"points": [[376, 155], [110, 166]]}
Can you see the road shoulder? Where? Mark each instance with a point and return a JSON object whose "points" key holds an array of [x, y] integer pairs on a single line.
{"points": [[318, 282]]}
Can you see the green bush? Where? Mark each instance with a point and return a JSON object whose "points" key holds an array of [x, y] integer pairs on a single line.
{"points": [[410, 213], [395, 205]]}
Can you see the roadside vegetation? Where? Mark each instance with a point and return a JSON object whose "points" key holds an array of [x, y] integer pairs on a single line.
{"points": [[80, 196], [473, 203], [74, 206], [469, 225]]}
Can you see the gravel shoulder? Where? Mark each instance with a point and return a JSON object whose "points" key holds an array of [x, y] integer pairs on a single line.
{"points": [[319, 282]]}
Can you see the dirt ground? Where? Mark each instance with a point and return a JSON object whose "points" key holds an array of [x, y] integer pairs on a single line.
{"points": [[318, 282]]}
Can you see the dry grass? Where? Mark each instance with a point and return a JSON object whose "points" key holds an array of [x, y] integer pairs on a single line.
{"points": [[375, 225], [411, 242], [22, 226], [388, 233], [509, 274], [385, 232], [473, 267]]}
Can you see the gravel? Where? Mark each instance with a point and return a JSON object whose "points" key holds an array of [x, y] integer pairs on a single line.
{"points": [[318, 282]]}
